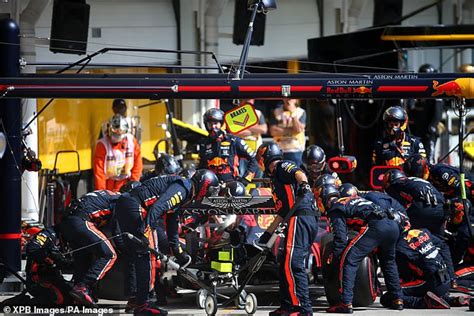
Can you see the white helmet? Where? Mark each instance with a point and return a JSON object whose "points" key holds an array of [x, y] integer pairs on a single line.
{"points": [[118, 127]]}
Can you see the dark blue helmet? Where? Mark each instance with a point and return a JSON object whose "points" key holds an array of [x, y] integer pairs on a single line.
{"points": [[268, 153], [348, 189], [167, 165], [203, 180]]}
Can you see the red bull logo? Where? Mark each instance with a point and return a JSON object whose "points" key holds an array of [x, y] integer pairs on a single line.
{"points": [[420, 238], [413, 233], [219, 165], [461, 87], [362, 90]]}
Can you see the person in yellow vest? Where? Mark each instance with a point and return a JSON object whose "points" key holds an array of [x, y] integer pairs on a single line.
{"points": [[287, 127], [117, 157]]}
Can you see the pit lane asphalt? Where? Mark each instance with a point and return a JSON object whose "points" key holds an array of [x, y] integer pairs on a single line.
{"points": [[267, 297]]}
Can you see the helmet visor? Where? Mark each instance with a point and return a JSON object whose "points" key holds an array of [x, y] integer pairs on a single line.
{"points": [[315, 166]]}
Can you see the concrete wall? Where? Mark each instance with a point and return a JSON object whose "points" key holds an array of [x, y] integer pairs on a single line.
{"points": [[151, 24], [138, 24]]}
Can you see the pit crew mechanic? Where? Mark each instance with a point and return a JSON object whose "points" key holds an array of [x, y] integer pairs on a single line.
{"points": [[378, 230], [289, 181], [221, 152], [139, 211], [396, 144], [80, 228]]}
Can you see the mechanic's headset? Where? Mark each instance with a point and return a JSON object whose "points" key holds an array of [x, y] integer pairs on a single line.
{"points": [[267, 153], [212, 116]]}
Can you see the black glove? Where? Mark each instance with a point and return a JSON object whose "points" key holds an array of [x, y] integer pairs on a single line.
{"points": [[236, 236], [303, 188], [182, 259], [244, 181], [263, 240], [59, 259]]}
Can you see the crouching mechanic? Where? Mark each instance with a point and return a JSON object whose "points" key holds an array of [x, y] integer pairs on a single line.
{"points": [[44, 280], [424, 275], [81, 228], [378, 231], [289, 181], [138, 212]]}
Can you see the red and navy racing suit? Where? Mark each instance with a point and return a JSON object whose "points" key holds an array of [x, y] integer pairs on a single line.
{"points": [[81, 228], [384, 200], [422, 266], [222, 156], [44, 280], [138, 212], [300, 234], [377, 231], [387, 152], [446, 179], [424, 203]]}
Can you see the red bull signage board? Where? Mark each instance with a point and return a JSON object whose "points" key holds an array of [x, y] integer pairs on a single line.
{"points": [[460, 87], [240, 118]]}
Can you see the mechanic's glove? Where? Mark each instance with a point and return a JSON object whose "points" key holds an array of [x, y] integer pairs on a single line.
{"points": [[428, 197], [182, 259], [59, 259], [303, 189], [237, 236], [458, 212], [378, 213], [263, 240], [242, 180]]}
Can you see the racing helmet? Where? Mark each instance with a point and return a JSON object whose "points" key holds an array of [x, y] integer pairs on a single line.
{"points": [[326, 179], [427, 68], [129, 186], [395, 114], [348, 190], [391, 176], [267, 153], [213, 115], [235, 188], [314, 159], [326, 192], [167, 165], [416, 166], [204, 181], [118, 127]]}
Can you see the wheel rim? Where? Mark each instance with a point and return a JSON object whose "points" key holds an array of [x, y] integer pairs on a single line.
{"points": [[250, 303], [211, 307]]}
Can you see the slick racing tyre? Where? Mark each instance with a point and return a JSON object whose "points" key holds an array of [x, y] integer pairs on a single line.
{"points": [[365, 287]]}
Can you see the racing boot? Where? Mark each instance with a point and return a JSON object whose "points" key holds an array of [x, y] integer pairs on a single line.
{"points": [[397, 304], [279, 312], [149, 309], [433, 301], [131, 305], [340, 309], [458, 301], [81, 294]]}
